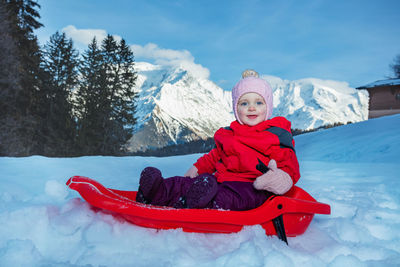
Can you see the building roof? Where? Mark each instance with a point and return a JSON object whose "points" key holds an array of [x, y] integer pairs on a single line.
{"points": [[381, 83]]}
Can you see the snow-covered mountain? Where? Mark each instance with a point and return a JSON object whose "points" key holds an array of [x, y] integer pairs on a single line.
{"points": [[176, 107], [311, 103]]}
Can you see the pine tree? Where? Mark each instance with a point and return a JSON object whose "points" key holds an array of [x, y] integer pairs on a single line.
{"points": [[88, 102], [9, 84], [395, 66], [120, 95], [19, 120], [107, 97], [60, 64]]}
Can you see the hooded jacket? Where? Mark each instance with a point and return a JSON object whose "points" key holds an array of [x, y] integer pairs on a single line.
{"points": [[239, 147]]}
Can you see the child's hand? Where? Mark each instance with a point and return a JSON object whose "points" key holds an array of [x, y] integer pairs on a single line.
{"points": [[275, 180], [192, 172]]}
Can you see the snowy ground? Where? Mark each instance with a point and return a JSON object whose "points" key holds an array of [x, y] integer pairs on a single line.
{"points": [[354, 168]]}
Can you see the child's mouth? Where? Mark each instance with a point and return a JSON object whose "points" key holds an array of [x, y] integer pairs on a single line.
{"points": [[252, 117]]}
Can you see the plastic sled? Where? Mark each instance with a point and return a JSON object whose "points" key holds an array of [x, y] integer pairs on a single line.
{"points": [[288, 215]]}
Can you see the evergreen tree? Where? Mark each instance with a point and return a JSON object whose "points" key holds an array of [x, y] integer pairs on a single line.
{"points": [[120, 95], [396, 66], [60, 65], [9, 84], [19, 119], [89, 100], [107, 97]]}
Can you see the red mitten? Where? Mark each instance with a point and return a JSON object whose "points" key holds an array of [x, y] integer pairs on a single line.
{"points": [[275, 180]]}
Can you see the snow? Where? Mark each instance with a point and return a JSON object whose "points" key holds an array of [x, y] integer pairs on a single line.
{"points": [[311, 103], [381, 82], [354, 168], [175, 106], [172, 93]]}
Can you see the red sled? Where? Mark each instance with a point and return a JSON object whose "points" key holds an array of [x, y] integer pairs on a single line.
{"points": [[287, 215]]}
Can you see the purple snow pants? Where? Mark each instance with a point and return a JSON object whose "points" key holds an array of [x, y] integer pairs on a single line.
{"points": [[230, 195]]}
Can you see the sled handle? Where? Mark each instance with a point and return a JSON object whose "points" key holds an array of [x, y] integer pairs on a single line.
{"points": [[295, 205]]}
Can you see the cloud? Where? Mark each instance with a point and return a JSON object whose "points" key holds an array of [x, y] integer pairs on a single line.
{"points": [[160, 56], [170, 57], [85, 36]]}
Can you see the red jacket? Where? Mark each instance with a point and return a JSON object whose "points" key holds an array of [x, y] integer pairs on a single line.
{"points": [[238, 149]]}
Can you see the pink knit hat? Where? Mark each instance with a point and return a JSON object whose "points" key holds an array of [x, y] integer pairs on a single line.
{"points": [[251, 83]]}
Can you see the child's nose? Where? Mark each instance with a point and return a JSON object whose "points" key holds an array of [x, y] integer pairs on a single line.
{"points": [[252, 107]]}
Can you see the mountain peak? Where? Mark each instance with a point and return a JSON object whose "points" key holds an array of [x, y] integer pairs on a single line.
{"points": [[175, 106], [311, 102]]}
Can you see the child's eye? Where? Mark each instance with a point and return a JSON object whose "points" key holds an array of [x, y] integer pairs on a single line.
{"points": [[260, 103], [243, 104]]}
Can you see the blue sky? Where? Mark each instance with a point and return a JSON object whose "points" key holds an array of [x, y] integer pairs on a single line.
{"points": [[345, 40]]}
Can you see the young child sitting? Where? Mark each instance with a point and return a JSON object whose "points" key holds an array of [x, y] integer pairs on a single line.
{"points": [[228, 177]]}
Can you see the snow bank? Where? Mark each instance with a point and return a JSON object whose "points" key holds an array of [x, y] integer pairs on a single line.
{"points": [[354, 168]]}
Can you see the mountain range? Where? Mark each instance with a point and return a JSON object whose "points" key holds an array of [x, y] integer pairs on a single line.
{"points": [[176, 107]]}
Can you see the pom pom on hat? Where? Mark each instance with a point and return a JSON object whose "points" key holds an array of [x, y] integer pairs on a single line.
{"points": [[250, 73], [251, 83]]}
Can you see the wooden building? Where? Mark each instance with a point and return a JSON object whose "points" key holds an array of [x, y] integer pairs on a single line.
{"points": [[384, 97]]}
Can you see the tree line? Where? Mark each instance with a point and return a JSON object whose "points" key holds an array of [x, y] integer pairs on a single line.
{"points": [[55, 102], [395, 66]]}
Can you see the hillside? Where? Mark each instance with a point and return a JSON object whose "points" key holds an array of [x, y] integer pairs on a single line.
{"points": [[354, 168]]}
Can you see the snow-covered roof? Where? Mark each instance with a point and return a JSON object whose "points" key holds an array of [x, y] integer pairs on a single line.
{"points": [[380, 83]]}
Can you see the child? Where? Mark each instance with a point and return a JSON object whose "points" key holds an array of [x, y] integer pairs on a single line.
{"points": [[228, 177]]}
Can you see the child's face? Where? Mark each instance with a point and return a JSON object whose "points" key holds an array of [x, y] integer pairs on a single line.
{"points": [[251, 109]]}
